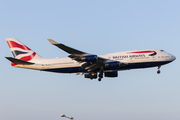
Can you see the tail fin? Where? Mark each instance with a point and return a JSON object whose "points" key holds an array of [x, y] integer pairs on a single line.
{"points": [[21, 51]]}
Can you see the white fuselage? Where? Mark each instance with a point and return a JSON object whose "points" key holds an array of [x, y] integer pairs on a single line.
{"points": [[134, 59]]}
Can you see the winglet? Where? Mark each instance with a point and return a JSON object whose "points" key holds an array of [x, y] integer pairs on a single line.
{"points": [[52, 41]]}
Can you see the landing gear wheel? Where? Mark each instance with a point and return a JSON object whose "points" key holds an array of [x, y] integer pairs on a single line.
{"points": [[101, 75], [158, 72], [91, 77]]}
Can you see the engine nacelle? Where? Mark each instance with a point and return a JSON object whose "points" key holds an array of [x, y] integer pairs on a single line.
{"points": [[111, 74], [89, 58], [112, 65]]}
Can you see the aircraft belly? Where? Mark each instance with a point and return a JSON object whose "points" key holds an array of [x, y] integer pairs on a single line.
{"points": [[129, 66], [75, 69], [144, 65], [66, 70], [34, 67]]}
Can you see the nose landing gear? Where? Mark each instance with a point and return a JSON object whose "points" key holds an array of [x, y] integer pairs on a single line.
{"points": [[158, 72]]}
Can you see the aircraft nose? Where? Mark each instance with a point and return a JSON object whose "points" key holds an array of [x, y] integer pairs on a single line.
{"points": [[173, 57]]}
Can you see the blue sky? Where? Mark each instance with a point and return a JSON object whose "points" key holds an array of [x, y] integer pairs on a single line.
{"points": [[99, 27]]}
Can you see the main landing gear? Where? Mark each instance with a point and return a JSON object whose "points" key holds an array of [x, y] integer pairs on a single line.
{"points": [[158, 72], [94, 75]]}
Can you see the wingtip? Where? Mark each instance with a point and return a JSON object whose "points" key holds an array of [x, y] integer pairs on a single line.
{"points": [[52, 41]]}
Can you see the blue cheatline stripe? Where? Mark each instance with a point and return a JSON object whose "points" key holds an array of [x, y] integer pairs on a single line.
{"points": [[153, 54]]}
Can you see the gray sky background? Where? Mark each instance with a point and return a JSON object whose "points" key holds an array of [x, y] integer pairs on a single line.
{"points": [[93, 26]]}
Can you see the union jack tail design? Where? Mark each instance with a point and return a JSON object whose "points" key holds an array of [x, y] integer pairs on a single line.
{"points": [[21, 51]]}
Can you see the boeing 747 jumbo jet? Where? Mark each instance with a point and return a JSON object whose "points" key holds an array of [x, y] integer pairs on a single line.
{"points": [[92, 66]]}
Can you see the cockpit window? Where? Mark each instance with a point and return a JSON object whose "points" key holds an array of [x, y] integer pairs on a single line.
{"points": [[162, 50]]}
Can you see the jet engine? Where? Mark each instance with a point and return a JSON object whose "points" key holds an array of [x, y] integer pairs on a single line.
{"points": [[112, 65], [111, 74], [89, 58]]}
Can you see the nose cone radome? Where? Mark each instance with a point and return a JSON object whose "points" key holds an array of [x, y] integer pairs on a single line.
{"points": [[173, 57]]}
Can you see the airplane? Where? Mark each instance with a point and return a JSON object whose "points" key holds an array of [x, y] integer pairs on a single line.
{"points": [[91, 65]]}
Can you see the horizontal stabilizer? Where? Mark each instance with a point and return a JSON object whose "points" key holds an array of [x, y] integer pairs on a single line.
{"points": [[18, 61]]}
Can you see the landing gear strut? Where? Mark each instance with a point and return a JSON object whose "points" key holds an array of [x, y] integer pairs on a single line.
{"points": [[158, 72], [100, 76]]}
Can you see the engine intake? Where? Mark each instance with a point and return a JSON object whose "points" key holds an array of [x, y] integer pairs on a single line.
{"points": [[111, 74], [89, 58]]}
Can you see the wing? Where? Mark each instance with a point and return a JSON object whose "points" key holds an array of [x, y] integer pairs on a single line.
{"points": [[90, 62], [66, 48]]}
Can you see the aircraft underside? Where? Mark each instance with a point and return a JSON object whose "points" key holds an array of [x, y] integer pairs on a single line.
{"points": [[93, 74], [127, 67]]}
